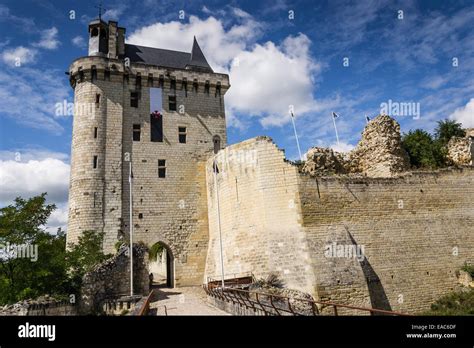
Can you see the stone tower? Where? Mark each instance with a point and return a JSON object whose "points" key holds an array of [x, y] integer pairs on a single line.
{"points": [[162, 110]]}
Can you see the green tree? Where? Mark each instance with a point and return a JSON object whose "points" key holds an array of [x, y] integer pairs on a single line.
{"points": [[84, 255], [447, 129], [44, 271], [54, 270], [423, 151]]}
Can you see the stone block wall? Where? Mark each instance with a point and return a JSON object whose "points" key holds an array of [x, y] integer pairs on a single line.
{"points": [[111, 279], [260, 219], [415, 230]]}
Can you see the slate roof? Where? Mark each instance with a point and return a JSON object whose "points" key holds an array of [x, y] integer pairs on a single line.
{"points": [[168, 58]]}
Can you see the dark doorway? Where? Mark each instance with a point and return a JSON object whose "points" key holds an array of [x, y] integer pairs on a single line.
{"points": [[161, 265], [217, 143]]}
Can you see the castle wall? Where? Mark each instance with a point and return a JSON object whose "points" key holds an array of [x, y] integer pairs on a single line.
{"points": [[259, 210], [416, 230]]}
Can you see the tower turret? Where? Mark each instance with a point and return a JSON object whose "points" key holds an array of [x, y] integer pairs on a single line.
{"points": [[98, 38]]}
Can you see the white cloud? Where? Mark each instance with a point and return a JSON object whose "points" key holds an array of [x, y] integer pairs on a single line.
{"points": [[58, 218], [19, 55], [269, 78], [342, 147], [114, 13], [266, 78], [434, 82], [79, 41], [43, 88], [27, 179], [48, 39], [28, 154], [465, 114], [220, 46]]}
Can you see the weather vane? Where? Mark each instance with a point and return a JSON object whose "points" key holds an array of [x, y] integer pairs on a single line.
{"points": [[100, 10]]}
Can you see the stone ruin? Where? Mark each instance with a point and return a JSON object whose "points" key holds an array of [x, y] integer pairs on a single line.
{"points": [[461, 149], [324, 161], [111, 279], [379, 153], [43, 305]]}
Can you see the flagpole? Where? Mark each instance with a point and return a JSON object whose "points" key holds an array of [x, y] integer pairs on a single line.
{"points": [[335, 128], [216, 189], [131, 230], [296, 136]]}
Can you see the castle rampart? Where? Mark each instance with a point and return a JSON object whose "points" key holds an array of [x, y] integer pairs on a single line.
{"points": [[415, 230]]}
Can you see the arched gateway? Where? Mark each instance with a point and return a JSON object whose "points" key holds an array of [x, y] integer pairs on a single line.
{"points": [[161, 264]]}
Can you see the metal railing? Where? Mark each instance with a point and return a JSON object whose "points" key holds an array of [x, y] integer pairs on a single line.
{"points": [[271, 304], [146, 305]]}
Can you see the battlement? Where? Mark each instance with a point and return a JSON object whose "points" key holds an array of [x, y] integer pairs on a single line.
{"points": [[101, 68]]}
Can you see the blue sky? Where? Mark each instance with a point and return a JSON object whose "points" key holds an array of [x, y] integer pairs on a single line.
{"points": [[319, 56]]}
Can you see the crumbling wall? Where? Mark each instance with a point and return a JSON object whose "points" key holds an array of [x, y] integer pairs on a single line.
{"points": [[111, 279], [43, 305], [461, 150], [379, 153], [324, 161]]}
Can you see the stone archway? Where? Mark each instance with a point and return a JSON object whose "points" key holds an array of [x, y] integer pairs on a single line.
{"points": [[161, 264]]}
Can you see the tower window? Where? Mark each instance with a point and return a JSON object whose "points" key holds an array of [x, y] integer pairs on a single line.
{"points": [[150, 80], [172, 102], [138, 81], [140, 215], [182, 135], [134, 99], [93, 73], [207, 87], [107, 74], [184, 86], [161, 168], [94, 32], [173, 84], [94, 164], [97, 100], [217, 143], [156, 127], [136, 132], [95, 132], [81, 75], [195, 86]]}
